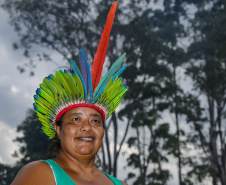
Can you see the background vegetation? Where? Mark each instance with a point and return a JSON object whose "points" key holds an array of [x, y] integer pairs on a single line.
{"points": [[176, 66]]}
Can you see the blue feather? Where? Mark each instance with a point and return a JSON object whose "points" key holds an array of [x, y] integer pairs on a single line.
{"points": [[85, 70], [114, 68], [38, 91], [76, 70], [119, 71], [99, 93], [35, 108]]}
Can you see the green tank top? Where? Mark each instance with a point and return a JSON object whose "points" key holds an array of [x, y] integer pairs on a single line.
{"points": [[62, 178]]}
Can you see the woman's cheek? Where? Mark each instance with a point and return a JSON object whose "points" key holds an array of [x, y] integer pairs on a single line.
{"points": [[71, 130], [100, 132], [67, 131]]}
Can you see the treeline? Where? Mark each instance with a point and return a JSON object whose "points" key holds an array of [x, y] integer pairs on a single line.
{"points": [[176, 67]]}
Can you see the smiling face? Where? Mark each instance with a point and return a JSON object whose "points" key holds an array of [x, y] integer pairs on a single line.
{"points": [[82, 132]]}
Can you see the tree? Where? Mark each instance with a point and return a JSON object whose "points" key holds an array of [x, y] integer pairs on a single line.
{"points": [[151, 37], [7, 174], [34, 143], [61, 26], [208, 71], [152, 40], [152, 141], [33, 146]]}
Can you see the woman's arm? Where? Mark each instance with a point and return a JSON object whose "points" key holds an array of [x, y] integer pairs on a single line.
{"points": [[35, 173]]}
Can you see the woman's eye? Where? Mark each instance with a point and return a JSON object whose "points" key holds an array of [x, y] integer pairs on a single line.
{"points": [[75, 119], [96, 121]]}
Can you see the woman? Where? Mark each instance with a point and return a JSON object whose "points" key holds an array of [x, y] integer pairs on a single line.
{"points": [[73, 106], [81, 135]]}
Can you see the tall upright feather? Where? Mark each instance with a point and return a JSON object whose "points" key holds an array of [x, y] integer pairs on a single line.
{"points": [[102, 47], [114, 68], [76, 70], [85, 70]]}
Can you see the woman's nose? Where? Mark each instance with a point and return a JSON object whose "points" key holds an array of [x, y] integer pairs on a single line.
{"points": [[86, 126]]}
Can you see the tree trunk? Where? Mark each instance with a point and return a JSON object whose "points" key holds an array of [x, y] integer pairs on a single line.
{"points": [[177, 126], [178, 148], [115, 162]]}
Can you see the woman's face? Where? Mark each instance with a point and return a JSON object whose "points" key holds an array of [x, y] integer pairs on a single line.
{"points": [[82, 132]]}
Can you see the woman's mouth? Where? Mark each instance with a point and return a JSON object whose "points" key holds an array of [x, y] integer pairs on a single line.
{"points": [[85, 139]]}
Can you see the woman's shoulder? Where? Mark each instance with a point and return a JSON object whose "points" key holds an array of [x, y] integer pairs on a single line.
{"points": [[37, 172]]}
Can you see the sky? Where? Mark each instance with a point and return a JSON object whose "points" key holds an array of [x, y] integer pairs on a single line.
{"points": [[16, 89]]}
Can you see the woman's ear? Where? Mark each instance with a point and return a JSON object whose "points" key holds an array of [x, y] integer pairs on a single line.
{"points": [[57, 129]]}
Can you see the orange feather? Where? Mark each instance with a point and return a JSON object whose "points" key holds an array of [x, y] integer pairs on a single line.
{"points": [[99, 58]]}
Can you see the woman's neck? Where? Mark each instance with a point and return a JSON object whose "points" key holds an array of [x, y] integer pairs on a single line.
{"points": [[79, 163]]}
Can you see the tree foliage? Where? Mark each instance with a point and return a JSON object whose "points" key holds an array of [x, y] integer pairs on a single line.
{"points": [[154, 58], [207, 68], [34, 143], [7, 173], [63, 26], [161, 38], [33, 146]]}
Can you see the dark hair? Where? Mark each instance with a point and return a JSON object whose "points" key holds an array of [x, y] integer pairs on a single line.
{"points": [[55, 145]]}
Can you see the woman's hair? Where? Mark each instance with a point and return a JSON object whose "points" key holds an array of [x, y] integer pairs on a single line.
{"points": [[55, 145]]}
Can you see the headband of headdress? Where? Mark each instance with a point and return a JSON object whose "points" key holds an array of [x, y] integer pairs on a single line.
{"points": [[80, 87]]}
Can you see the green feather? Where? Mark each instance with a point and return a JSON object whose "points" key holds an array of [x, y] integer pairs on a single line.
{"points": [[41, 109], [73, 86], [58, 86], [45, 95], [48, 84], [43, 102], [79, 84], [60, 77], [48, 132], [47, 91], [44, 123]]}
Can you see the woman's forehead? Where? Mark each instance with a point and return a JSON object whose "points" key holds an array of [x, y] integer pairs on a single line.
{"points": [[83, 111]]}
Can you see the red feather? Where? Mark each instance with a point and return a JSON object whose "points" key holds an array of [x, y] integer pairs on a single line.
{"points": [[99, 58]]}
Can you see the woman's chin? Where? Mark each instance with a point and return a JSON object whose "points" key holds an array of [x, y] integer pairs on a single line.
{"points": [[86, 150]]}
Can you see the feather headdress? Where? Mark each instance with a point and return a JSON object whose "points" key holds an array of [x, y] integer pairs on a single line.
{"points": [[80, 87]]}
